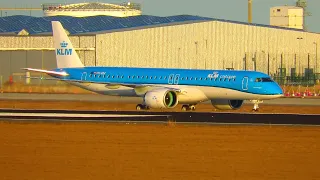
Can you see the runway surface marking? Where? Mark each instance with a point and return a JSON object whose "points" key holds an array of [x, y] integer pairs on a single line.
{"points": [[73, 115]]}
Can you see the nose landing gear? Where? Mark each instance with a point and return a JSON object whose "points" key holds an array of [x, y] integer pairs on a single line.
{"points": [[256, 104]]}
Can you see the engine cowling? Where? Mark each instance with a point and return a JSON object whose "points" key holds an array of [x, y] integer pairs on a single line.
{"points": [[224, 104], [161, 98]]}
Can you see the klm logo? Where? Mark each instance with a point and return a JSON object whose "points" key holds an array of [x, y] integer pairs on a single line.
{"points": [[64, 51]]}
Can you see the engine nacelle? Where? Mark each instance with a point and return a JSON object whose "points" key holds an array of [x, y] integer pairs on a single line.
{"points": [[161, 98], [224, 104]]}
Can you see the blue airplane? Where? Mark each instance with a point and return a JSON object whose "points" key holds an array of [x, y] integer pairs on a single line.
{"points": [[162, 87]]}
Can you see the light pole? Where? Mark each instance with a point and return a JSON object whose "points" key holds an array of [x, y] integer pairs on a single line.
{"points": [[299, 38], [316, 68]]}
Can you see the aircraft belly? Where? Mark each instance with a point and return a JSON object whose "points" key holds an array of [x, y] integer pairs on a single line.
{"points": [[112, 90], [191, 95], [223, 93]]}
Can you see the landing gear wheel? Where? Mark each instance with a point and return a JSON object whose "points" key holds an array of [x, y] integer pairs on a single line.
{"points": [[185, 108], [140, 107], [188, 107]]}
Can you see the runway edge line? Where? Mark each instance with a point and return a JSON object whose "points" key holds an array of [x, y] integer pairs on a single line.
{"points": [[183, 117]]}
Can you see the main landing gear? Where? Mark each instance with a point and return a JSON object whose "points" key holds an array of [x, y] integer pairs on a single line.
{"points": [[188, 108], [141, 107], [256, 104]]}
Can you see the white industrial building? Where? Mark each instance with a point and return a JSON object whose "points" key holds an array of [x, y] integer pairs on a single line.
{"points": [[92, 9], [287, 16]]}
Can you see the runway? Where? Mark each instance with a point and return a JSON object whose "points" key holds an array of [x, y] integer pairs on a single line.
{"points": [[67, 107], [118, 142], [144, 116], [104, 98]]}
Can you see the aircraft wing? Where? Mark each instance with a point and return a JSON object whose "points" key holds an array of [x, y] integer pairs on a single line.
{"points": [[126, 84]]}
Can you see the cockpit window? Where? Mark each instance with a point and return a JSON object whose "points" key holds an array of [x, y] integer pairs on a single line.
{"points": [[265, 79]]}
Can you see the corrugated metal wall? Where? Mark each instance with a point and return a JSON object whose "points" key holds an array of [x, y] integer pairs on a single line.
{"points": [[205, 45], [11, 61], [209, 45]]}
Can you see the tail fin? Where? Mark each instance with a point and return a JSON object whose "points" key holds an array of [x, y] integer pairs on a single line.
{"points": [[66, 56]]}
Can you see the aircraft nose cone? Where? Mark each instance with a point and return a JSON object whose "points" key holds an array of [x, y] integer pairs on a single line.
{"points": [[277, 90]]}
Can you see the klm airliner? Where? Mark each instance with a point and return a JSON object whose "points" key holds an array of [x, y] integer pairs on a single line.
{"points": [[160, 87]]}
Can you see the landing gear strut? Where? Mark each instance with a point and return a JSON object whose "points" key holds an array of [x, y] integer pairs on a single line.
{"points": [[188, 108], [141, 107], [256, 104]]}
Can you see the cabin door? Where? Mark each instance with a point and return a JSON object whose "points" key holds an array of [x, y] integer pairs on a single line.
{"points": [[245, 83], [84, 76], [176, 79]]}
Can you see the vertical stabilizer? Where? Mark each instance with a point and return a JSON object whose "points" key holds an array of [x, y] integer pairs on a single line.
{"points": [[66, 56]]}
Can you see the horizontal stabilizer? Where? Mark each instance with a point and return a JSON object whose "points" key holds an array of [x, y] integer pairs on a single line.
{"points": [[41, 78], [47, 72]]}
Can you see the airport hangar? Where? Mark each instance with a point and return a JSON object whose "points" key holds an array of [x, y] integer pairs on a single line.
{"points": [[182, 41]]}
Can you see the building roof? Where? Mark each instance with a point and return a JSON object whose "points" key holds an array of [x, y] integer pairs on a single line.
{"points": [[90, 6], [28, 25], [286, 7]]}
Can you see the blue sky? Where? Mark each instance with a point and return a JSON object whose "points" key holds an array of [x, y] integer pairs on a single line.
{"points": [[223, 9]]}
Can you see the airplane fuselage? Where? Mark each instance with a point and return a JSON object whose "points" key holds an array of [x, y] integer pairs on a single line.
{"points": [[198, 85]]}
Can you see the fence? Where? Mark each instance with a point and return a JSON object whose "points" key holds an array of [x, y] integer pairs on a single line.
{"points": [[309, 79]]}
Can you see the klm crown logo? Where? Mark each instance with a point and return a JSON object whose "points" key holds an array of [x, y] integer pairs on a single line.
{"points": [[64, 44], [64, 51]]}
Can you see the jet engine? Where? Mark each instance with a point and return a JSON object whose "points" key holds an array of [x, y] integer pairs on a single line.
{"points": [[224, 104], [161, 98]]}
